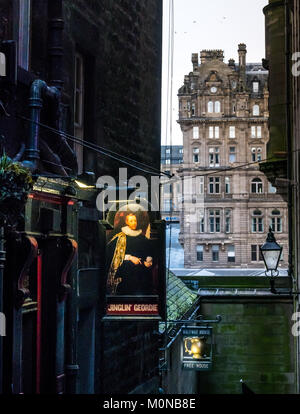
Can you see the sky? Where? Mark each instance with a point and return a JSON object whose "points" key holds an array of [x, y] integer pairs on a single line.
{"points": [[205, 24]]}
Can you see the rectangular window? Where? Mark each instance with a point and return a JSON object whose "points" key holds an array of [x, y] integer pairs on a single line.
{"points": [[227, 221], [232, 132], [227, 185], [232, 156], [231, 254], [214, 221], [214, 157], [79, 108], [257, 225], [215, 253], [214, 132], [276, 224], [193, 109], [253, 253], [195, 132], [195, 154], [255, 87], [256, 132], [214, 185], [200, 253], [201, 225], [22, 31]]}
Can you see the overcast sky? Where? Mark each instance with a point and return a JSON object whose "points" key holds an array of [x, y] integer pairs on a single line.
{"points": [[207, 24]]}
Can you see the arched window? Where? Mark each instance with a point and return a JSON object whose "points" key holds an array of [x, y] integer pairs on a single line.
{"points": [[256, 186], [217, 107], [210, 107], [255, 110]]}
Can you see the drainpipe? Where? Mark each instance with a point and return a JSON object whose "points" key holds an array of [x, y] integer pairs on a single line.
{"points": [[38, 91]]}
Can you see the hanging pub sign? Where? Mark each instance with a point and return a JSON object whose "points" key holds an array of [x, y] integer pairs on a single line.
{"points": [[135, 263], [196, 349]]}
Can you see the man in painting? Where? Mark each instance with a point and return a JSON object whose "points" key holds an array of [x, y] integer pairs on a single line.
{"points": [[130, 261]]}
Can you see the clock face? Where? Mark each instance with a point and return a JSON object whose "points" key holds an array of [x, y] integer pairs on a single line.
{"points": [[213, 89]]}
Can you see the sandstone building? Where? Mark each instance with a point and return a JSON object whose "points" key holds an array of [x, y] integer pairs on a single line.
{"points": [[228, 204]]}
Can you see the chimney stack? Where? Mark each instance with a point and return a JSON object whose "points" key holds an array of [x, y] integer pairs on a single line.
{"points": [[195, 61], [242, 51]]}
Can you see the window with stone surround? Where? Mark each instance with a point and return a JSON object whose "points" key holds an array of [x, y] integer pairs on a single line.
{"points": [[257, 222], [276, 221], [214, 132], [215, 252], [193, 109], [256, 255], [214, 185], [196, 152], [232, 132], [227, 185], [256, 186], [255, 87], [256, 131], [214, 157], [196, 132], [232, 155], [255, 110], [231, 253], [227, 221], [214, 107], [214, 221], [256, 154], [200, 250]]}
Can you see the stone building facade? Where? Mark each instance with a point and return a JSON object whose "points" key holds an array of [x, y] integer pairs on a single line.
{"points": [[171, 189], [282, 23], [228, 204]]}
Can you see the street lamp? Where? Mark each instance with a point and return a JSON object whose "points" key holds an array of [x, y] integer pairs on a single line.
{"points": [[271, 252]]}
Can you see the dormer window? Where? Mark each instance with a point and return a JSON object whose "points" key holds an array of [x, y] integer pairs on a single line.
{"points": [[255, 87]]}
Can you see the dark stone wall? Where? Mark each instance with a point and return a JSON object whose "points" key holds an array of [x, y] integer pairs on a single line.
{"points": [[121, 41], [253, 342], [176, 380], [121, 44], [130, 358]]}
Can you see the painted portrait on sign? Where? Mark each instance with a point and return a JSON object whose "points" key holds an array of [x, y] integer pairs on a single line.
{"points": [[131, 257], [135, 263]]}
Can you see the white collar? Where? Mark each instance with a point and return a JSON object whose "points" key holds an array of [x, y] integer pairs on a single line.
{"points": [[129, 232]]}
